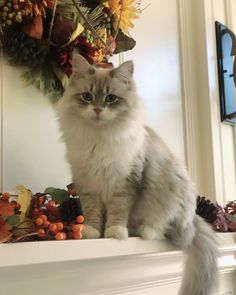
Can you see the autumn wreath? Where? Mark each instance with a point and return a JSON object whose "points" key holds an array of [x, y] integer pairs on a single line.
{"points": [[41, 35]]}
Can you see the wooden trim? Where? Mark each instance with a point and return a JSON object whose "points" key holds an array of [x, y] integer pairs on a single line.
{"points": [[228, 13], [188, 87]]}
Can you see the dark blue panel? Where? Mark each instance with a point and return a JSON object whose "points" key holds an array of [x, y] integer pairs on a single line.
{"points": [[226, 57]]}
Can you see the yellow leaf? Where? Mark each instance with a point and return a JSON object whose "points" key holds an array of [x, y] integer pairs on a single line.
{"points": [[79, 29], [24, 228], [24, 199]]}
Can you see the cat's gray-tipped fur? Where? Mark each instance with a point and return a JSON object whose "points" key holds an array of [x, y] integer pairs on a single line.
{"points": [[128, 180]]}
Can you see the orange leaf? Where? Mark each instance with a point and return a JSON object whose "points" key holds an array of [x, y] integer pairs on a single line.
{"points": [[5, 233], [6, 208], [34, 28]]}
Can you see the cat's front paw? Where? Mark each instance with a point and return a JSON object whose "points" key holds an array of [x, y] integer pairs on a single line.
{"points": [[91, 232], [117, 232]]}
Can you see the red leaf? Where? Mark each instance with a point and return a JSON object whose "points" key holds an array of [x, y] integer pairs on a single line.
{"points": [[1, 221], [6, 208], [232, 226], [5, 233]]}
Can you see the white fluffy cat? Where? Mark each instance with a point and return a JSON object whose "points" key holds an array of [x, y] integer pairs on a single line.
{"points": [[129, 182]]}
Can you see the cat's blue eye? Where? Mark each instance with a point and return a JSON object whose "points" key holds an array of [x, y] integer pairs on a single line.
{"points": [[87, 97], [111, 98]]}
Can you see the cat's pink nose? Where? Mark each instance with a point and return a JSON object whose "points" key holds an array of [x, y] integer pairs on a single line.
{"points": [[97, 111]]}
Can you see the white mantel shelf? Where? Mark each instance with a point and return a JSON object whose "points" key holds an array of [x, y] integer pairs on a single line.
{"points": [[97, 267]]}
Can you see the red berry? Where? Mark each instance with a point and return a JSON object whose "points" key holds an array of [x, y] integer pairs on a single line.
{"points": [[80, 219], [41, 200], [77, 227], [55, 211], [59, 226], [36, 212], [5, 196], [60, 236], [41, 232], [46, 223], [15, 204], [52, 227], [51, 203], [44, 217], [39, 221], [77, 235]]}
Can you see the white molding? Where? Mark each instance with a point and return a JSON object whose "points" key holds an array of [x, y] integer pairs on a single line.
{"points": [[228, 13], [188, 86], [101, 267]]}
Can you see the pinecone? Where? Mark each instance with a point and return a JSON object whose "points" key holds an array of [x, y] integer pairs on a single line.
{"points": [[70, 209], [23, 50], [206, 209]]}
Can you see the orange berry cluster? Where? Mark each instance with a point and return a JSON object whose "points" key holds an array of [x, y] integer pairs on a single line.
{"points": [[54, 220], [59, 230]]}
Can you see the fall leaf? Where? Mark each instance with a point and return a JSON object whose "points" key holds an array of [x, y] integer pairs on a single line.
{"points": [[5, 233], [123, 43], [24, 199], [34, 29], [24, 228], [79, 29], [6, 208]]}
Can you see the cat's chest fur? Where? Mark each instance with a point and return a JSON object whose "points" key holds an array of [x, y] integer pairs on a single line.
{"points": [[101, 163]]}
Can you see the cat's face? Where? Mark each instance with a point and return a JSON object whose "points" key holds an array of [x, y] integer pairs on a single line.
{"points": [[100, 96]]}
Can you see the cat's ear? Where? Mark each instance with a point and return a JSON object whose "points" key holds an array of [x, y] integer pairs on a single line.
{"points": [[80, 66], [124, 72]]}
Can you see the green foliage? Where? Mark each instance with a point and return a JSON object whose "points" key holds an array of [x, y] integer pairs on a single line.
{"points": [[45, 80], [13, 220], [58, 195], [22, 50], [231, 217]]}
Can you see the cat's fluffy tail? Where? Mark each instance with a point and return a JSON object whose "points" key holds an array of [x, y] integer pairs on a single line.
{"points": [[200, 274]]}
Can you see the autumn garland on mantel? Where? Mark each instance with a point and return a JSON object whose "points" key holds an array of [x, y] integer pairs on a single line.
{"points": [[41, 35], [56, 214]]}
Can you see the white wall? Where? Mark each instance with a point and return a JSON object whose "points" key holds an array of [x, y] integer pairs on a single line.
{"points": [[32, 152], [157, 70]]}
